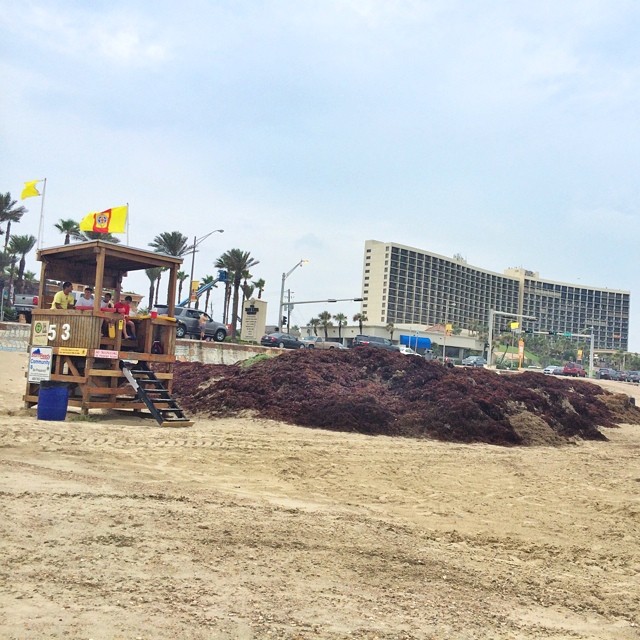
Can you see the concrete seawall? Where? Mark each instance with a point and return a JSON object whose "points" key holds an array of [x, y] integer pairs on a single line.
{"points": [[218, 352], [14, 336]]}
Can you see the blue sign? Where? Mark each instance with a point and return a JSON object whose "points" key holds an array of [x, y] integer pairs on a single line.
{"points": [[416, 342]]}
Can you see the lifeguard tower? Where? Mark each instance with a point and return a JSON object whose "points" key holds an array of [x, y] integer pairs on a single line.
{"points": [[102, 369]]}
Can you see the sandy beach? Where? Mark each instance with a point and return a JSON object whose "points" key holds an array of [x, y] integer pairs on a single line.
{"points": [[242, 528]]}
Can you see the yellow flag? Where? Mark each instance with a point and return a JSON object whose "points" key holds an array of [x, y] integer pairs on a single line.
{"points": [[30, 190], [110, 221]]}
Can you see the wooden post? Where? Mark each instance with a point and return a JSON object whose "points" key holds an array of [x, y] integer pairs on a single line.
{"points": [[99, 280]]}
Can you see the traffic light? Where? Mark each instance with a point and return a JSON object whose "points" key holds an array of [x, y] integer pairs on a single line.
{"points": [[284, 321], [551, 333], [528, 330]]}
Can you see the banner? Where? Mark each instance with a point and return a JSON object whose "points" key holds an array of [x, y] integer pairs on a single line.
{"points": [[195, 285]]}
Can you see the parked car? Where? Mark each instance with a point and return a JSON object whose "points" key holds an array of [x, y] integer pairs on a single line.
{"points": [[187, 323], [407, 351], [282, 340], [633, 376], [473, 361], [318, 342], [573, 369], [374, 341], [553, 370], [606, 373]]}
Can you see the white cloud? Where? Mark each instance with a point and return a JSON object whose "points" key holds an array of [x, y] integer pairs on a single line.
{"points": [[119, 35]]}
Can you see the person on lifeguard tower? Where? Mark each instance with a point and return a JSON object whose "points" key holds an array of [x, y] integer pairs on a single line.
{"points": [[128, 327], [64, 299]]}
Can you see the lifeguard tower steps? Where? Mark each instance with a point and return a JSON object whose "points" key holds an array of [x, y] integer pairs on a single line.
{"points": [[154, 394]]}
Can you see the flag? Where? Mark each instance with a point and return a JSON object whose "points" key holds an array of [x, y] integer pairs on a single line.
{"points": [[109, 221], [30, 190]]}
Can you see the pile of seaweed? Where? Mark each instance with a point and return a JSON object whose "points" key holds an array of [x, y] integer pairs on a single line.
{"points": [[377, 392]]}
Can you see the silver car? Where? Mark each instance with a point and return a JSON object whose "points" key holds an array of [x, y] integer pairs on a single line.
{"points": [[553, 370]]}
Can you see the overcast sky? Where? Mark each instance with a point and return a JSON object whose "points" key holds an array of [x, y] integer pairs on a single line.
{"points": [[506, 132]]}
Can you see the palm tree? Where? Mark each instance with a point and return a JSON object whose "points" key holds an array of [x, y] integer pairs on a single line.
{"points": [[259, 285], [98, 235], [325, 322], [171, 243], [360, 318], [341, 319], [247, 291], [71, 230], [390, 328], [238, 262], [20, 246], [206, 280], [314, 323], [29, 277], [182, 276], [245, 287], [5, 261], [9, 213], [153, 274], [162, 270], [11, 269], [221, 263]]}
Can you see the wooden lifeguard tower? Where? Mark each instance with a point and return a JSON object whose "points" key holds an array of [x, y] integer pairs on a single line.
{"points": [[89, 353]]}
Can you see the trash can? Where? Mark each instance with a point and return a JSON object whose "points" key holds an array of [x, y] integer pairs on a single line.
{"points": [[53, 399]]}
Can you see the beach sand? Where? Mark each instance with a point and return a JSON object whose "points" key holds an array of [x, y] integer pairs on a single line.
{"points": [[241, 528]]}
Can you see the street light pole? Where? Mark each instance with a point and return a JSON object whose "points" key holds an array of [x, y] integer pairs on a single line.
{"points": [[192, 248], [444, 337], [284, 277], [288, 309]]}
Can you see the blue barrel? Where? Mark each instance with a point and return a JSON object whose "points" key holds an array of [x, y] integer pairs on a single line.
{"points": [[52, 401]]}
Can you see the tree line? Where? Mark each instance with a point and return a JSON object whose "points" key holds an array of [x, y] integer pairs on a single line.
{"points": [[324, 320]]}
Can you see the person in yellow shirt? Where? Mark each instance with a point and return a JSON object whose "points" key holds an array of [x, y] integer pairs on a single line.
{"points": [[64, 299]]}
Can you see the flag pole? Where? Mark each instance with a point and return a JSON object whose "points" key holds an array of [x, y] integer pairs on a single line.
{"points": [[40, 229]]}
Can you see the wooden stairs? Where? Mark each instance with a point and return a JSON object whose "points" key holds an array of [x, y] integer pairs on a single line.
{"points": [[154, 394]]}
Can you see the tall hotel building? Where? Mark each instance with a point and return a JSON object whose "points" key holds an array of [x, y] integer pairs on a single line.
{"points": [[407, 286]]}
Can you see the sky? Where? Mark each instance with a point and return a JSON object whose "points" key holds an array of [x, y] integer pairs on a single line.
{"points": [[506, 132]]}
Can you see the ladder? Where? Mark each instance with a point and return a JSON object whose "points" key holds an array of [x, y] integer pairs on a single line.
{"points": [[153, 393]]}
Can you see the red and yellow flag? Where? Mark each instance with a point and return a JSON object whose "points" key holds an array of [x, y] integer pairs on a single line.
{"points": [[110, 221]]}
